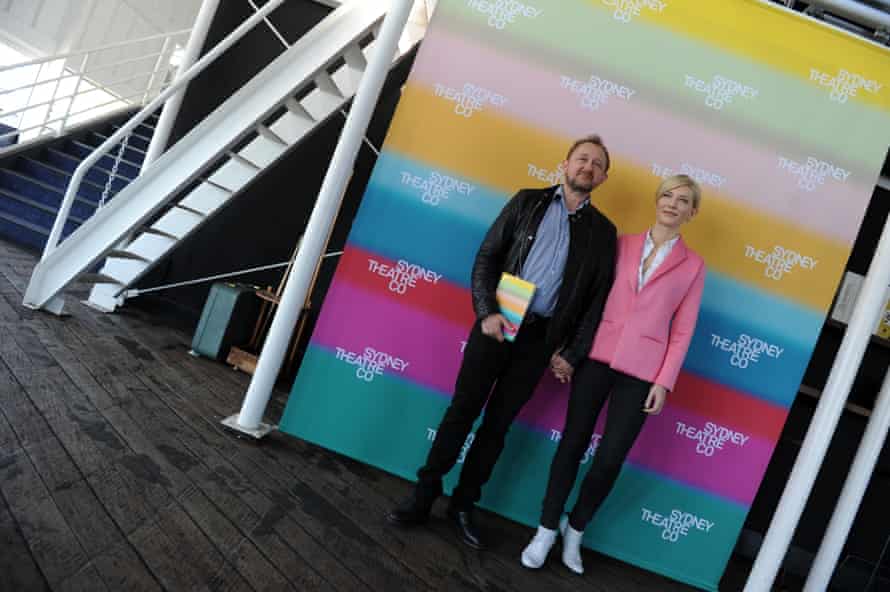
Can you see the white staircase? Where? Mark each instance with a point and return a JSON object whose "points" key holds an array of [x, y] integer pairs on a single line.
{"points": [[200, 174]]}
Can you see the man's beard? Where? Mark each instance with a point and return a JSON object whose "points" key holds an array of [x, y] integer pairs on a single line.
{"points": [[575, 184]]}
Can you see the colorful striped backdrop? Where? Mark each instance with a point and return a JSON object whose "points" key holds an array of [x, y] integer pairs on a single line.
{"points": [[783, 121]]}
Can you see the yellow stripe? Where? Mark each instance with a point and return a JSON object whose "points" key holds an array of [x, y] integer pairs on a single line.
{"points": [[795, 44], [493, 150]]}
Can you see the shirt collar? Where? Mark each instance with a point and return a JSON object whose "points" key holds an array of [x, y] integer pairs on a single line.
{"points": [[651, 243], [560, 194]]}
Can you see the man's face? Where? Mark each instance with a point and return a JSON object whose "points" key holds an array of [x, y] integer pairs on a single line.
{"points": [[585, 168]]}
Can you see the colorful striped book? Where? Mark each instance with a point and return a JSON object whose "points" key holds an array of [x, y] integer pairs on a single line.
{"points": [[514, 295]]}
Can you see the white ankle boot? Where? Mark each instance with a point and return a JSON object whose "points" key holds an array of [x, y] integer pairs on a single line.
{"points": [[535, 554], [571, 546]]}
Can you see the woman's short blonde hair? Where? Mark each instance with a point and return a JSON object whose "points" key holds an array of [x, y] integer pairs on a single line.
{"points": [[675, 181]]}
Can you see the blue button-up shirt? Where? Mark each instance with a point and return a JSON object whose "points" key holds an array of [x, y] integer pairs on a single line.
{"points": [[547, 259]]}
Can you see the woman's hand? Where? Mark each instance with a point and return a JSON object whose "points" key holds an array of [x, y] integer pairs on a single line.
{"points": [[562, 370], [655, 400]]}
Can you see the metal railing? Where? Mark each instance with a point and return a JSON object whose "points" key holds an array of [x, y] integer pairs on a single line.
{"points": [[73, 87], [123, 133]]}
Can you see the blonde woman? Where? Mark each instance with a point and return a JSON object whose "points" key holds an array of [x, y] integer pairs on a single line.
{"points": [[637, 353]]}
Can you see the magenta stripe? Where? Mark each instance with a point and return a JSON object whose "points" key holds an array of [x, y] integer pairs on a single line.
{"points": [[431, 346], [656, 137]]}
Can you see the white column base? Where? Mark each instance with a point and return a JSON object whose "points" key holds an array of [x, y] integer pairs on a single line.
{"points": [[257, 433]]}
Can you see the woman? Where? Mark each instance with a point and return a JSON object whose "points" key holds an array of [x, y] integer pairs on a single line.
{"points": [[637, 353]]}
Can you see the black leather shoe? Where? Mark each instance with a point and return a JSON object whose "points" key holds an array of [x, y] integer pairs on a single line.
{"points": [[413, 511], [466, 528]]}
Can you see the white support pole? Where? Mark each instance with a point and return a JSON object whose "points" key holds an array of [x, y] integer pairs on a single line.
{"points": [[851, 496], [865, 316], [323, 214], [189, 56]]}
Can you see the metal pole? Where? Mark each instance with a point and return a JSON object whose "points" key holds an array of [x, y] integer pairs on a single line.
{"points": [[857, 12], [275, 347], [869, 304], [851, 496], [192, 50]]}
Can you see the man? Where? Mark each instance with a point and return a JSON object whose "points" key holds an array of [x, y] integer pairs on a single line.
{"points": [[557, 240]]}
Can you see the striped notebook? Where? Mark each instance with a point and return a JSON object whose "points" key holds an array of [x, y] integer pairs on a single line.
{"points": [[513, 296]]}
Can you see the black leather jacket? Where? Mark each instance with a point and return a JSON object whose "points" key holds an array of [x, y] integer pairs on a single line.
{"points": [[587, 278]]}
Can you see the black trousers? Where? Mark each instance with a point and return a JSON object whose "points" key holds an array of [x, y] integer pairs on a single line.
{"points": [[592, 384], [503, 374]]}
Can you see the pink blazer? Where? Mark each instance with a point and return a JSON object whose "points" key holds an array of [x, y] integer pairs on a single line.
{"points": [[646, 334]]}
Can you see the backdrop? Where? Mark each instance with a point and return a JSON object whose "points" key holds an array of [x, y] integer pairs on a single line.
{"points": [[782, 120]]}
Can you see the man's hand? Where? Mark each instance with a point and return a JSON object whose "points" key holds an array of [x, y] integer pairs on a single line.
{"points": [[562, 370], [655, 401], [494, 324]]}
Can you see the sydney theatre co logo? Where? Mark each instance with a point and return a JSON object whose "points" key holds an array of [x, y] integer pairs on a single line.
{"points": [[404, 275], [746, 350], [780, 261], [470, 98], [813, 172], [436, 187], [701, 175], [720, 91], [844, 84], [676, 524], [371, 363], [504, 12], [626, 10], [712, 438], [549, 176], [595, 91]]}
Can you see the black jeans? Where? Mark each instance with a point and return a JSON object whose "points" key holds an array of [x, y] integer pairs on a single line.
{"points": [[592, 384], [513, 370]]}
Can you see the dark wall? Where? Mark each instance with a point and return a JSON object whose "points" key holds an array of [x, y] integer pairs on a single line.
{"points": [[244, 59]]}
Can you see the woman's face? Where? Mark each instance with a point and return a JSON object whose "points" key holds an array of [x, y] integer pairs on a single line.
{"points": [[674, 207]]}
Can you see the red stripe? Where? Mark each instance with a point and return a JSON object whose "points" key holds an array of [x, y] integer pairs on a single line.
{"points": [[443, 299], [729, 407]]}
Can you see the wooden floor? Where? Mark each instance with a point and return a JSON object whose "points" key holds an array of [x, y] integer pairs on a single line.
{"points": [[116, 475]]}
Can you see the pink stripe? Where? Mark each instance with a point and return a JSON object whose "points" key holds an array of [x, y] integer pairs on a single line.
{"points": [[656, 136], [353, 319], [734, 470]]}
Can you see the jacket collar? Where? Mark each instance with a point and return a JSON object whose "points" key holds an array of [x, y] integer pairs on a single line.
{"points": [[677, 255]]}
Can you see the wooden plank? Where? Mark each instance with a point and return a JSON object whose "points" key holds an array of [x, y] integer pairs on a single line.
{"points": [[163, 559], [237, 548], [86, 580], [87, 518], [130, 492], [18, 570], [122, 569], [53, 545], [24, 419]]}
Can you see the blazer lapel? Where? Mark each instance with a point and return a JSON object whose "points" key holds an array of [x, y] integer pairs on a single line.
{"points": [[675, 258], [634, 254]]}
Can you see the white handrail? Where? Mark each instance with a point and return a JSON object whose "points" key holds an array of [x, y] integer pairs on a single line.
{"points": [[186, 77], [72, 54]]}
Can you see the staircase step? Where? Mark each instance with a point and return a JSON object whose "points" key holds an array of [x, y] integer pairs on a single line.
{"points": [[136, 140], [56, 177], [132, 154], [22, 232], [80, 151], [96, 174], [33, 211], [44, 193]]}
